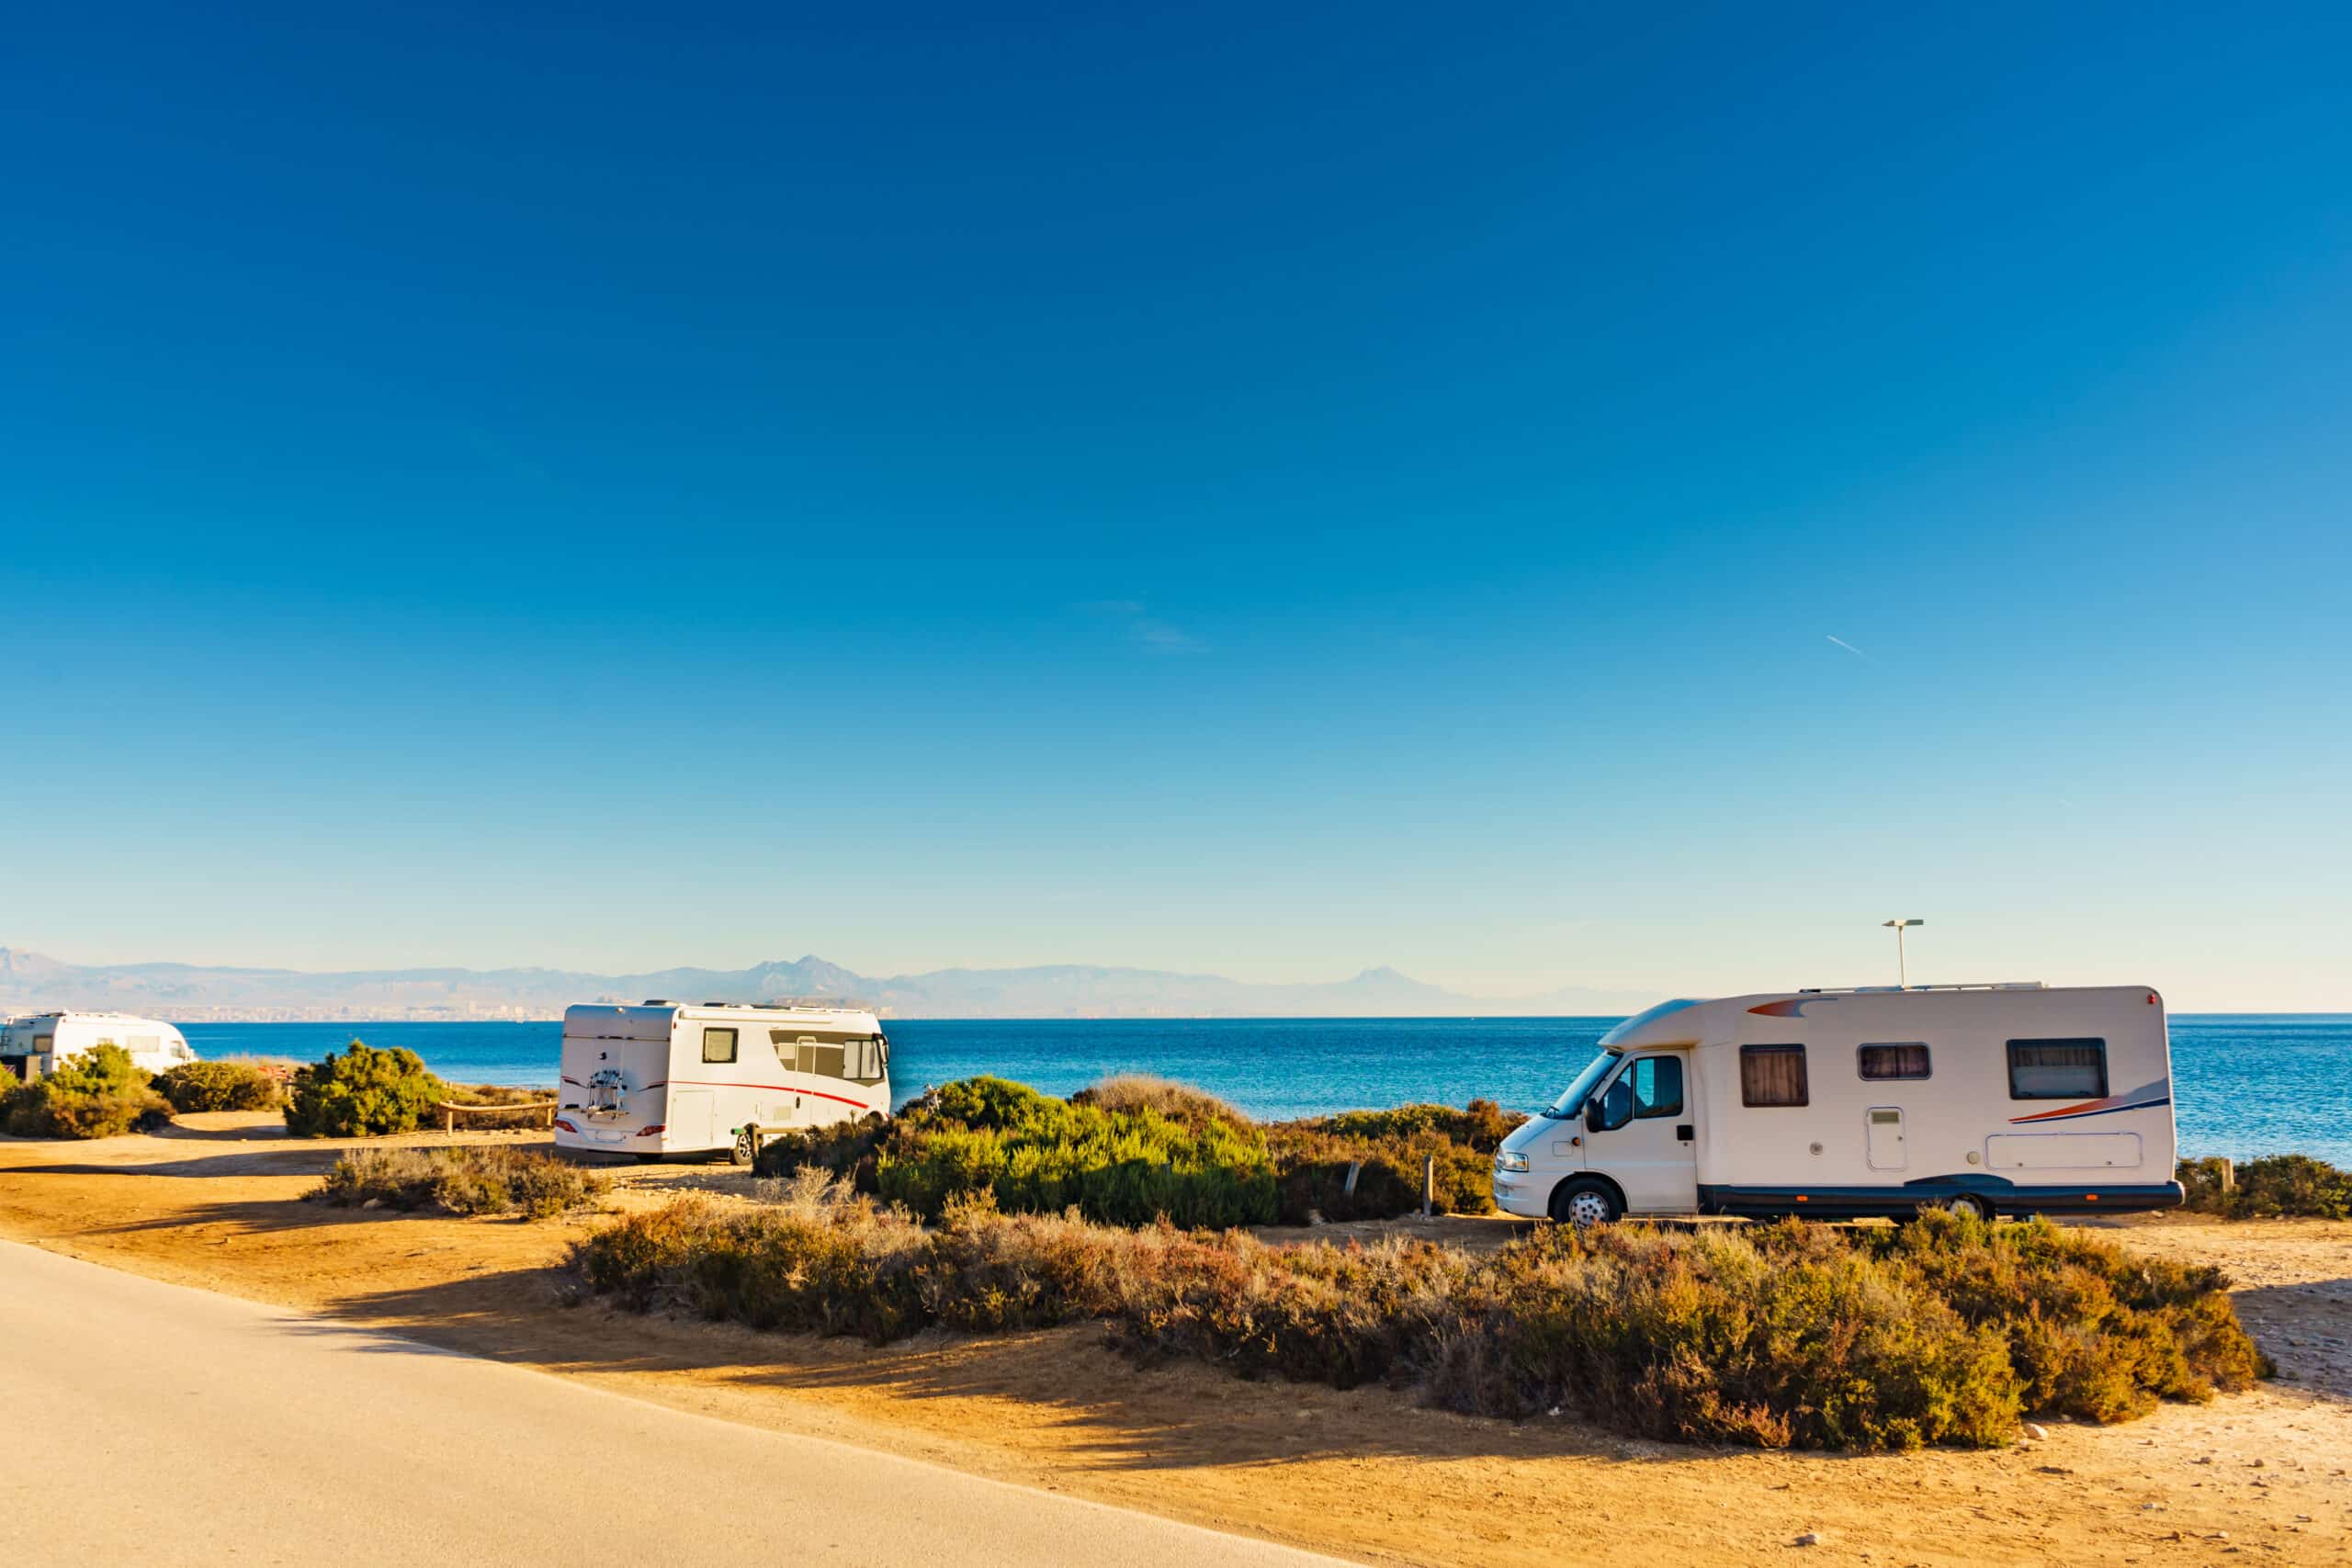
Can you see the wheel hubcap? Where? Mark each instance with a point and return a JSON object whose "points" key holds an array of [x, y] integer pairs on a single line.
{"points": [[1588, 1209]]}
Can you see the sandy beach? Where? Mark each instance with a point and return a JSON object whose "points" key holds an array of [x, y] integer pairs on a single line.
{"points": [[214, 1202]]}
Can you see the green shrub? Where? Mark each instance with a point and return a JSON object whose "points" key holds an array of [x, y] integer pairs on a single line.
{"points": [[1178, 1102], [464, 1180], [1481, 1124], [2094, 1331], [1788, 1335], [1788, 1338], [845, 1149], [2275, 1187], [218, 1086], [361, 1092], [1133, 1150], [1386, 1150], [1033, 1154], [97, 1094]]}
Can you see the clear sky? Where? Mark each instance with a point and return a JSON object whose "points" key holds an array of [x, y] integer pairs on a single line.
{"points": [[1614, 495]]}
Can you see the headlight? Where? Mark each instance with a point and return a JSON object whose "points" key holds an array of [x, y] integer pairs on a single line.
{"points": [[1510, 1162]]}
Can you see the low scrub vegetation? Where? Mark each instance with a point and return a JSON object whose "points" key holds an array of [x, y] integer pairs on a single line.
{"points": [[1136, 1150], [464, 1180], [97, 1094], [1132, 1092], [361, 1091], [1034, 1154], [1779, 1335], [220, 1085], [1368, 1164], [2275, 1187]]}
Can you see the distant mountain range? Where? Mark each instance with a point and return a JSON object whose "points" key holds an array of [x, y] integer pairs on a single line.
{"points": [[30, 982]]}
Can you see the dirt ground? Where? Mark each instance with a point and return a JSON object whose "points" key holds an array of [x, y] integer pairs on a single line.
{"points": [[215, 1202]]}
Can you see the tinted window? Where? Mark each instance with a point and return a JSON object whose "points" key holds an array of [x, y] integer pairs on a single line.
{"points": [[1901, 1059], [717, 1044], [1772, 1075], [2057, 1069], [1658, 1086]]}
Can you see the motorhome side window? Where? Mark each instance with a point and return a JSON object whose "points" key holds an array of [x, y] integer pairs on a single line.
{"points": [[2057, 1069], [807, 1054], [717, 1044], [1772, 1075], [1898, 1059]]}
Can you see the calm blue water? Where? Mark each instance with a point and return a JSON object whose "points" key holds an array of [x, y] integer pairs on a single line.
{"points": [[2243, 1084]]}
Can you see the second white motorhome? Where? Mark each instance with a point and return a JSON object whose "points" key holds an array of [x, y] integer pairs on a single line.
{"points": [[664, 1079], [2004, 1099], [37, 1044]]}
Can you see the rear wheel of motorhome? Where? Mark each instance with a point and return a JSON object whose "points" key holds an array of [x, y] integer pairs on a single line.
{"points": [[1976, 1208], [740, 1154], [1584, 1204]]}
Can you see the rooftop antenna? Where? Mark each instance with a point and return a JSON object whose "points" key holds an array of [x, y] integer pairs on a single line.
{"points": [[1902, 968]]}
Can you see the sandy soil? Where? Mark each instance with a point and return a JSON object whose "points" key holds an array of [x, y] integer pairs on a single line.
{"points": [[215, 1203]]}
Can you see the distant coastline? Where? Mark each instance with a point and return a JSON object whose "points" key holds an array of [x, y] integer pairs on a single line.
{"points": [[192, 993]]}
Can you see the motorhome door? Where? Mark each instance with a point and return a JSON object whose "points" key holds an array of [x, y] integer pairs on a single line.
{"points": [[691, 1119], [1644, 1135]]}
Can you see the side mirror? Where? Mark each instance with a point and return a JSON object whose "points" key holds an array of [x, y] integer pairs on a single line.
{"points": [[1592, 1114]]}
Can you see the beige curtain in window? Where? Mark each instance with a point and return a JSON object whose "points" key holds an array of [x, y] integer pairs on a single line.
{"points": [[1772, 1076]]}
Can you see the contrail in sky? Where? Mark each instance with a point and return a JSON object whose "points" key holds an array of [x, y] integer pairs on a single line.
{"points": [[1848, 647]]}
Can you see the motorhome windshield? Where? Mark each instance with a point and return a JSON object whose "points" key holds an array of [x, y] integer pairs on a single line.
{"points": [[1571, 1101]]}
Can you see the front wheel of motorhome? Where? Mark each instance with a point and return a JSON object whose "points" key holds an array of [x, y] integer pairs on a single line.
{"points": [[1584, 1203]]}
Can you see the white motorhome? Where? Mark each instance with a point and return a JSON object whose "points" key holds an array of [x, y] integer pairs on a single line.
{"points": [[2002, 1099], [663, 1078], [34, 1045]]}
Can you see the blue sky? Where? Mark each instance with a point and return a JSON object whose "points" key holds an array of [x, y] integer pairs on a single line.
{"points": [[1536, 496]]}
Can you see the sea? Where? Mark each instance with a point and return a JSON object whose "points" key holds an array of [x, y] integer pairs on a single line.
{"points": [[2243, 1084]]}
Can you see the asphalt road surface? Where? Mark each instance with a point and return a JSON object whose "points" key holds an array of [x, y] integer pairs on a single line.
{"points": [[143, 1423]]}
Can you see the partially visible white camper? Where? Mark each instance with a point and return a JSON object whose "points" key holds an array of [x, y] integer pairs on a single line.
{"points": [[2013, 1098], [34, 1045], [664, 1079]]}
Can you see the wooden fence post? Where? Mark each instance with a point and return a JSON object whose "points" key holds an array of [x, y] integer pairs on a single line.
{"points": [[1429, 1186], [2229, 1177]]}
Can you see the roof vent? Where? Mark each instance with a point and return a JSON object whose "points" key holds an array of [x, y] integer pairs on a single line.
{"points": [[657, 1001]]}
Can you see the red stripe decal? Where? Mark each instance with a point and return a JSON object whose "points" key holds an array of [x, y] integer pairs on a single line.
{"points": [[779, 1087]]}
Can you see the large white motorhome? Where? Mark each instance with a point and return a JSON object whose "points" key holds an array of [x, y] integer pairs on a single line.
{"points": [[664, 1078], [34, 1045], [2002, 1099]]}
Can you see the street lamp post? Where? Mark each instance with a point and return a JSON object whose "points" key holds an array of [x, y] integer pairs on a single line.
{"points": [[1902, 969]]}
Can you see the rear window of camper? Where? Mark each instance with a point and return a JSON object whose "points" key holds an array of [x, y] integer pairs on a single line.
{"points": [[2057, 1069], [1895, 1059], [1772, 1075], [717, 1044]]}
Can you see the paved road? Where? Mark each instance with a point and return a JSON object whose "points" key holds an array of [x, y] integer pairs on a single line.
{"points": [[144, 1423]]}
